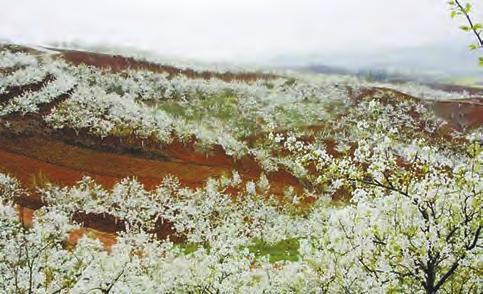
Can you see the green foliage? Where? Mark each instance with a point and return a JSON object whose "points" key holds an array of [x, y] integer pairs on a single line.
{"points": [[458, 8]]}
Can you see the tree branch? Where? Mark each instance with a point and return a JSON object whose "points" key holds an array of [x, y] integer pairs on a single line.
{"points": [[447, 275], [472, 26]]}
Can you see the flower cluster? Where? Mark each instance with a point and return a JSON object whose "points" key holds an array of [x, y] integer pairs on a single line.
{"points": [[18, 59]]}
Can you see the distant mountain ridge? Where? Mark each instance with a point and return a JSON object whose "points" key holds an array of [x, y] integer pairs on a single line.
{"points": [[436, 63]]}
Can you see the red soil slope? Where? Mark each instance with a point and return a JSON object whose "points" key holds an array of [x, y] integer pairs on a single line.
{"points": [[119, 63], [64, 164], [461, 114], [36, 161]]}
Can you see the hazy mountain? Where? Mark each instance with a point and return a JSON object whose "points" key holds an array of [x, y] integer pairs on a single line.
{"points": [[438, 62]]}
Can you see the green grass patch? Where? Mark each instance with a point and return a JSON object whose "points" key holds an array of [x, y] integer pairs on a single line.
{"points": [[188, 248], [172, 107], [286, 250], [219, 106]]}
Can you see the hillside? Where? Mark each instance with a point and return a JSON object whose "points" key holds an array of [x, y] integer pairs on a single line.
{"points": [[224, 178]]}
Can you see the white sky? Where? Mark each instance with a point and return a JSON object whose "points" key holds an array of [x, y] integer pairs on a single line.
{"points": [[233, 30]]}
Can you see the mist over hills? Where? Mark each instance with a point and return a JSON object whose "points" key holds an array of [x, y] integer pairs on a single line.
{"points": [[453, 63]]}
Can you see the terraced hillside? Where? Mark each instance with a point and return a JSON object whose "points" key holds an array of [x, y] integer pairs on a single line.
{"points": [[232, 181]]}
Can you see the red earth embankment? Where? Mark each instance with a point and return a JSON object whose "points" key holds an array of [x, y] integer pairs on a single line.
{"points": [[118, 63], [64, 164], [36, 161], [461, 114]]}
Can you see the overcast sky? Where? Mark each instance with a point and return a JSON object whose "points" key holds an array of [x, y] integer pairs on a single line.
{"points": [[234, 30]]}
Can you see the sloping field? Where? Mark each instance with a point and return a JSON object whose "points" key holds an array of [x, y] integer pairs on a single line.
{"points": [[37, 152], [251, 171], [38, 155]]}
